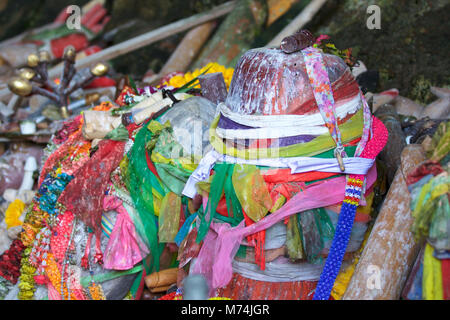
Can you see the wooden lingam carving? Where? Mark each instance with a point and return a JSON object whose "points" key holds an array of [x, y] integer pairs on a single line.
{"points": [[34, 79]]}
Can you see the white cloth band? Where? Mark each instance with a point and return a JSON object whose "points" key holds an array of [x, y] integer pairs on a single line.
{"points": [[278, 126], [353, 165]]}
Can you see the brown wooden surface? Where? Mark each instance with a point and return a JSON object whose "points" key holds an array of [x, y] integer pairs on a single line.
{"points": [[162, 278], [390, 155], [235, 34], [188, 48], [302, 19]]}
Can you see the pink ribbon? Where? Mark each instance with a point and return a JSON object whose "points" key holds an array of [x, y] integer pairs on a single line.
{"points": [[124, 248]]}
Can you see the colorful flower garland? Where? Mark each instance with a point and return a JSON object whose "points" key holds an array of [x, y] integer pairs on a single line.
{"points": [[10, 262], [26, 279], [36, 234]]}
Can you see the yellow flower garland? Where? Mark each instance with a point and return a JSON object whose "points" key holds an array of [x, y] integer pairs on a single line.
{"points": [[212, 67], [26, 279]]}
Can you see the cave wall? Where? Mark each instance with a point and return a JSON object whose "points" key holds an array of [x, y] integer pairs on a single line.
{"points": [[17, 16], [410, 51]]}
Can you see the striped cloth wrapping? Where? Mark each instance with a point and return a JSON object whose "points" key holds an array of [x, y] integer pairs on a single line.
{"points": [[107, 224]]}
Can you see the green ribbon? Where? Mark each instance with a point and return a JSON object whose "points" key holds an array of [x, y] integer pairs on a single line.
{"points": [[216, 191], [118, 134], [141, 182], [99, 278]]}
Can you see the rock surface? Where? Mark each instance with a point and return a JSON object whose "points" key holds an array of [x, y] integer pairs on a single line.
{"points": [[410, 51]]}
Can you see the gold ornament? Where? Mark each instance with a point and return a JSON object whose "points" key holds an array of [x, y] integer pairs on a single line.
{"points": [[92, 98], [33, 60], [27, 73], [20, 86], [70, 53], [100, 69], [44, 56]]}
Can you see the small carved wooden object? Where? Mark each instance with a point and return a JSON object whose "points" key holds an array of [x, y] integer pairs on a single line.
{"points": [[298, 41]]}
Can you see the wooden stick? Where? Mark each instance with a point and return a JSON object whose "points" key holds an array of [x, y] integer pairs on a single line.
{"points": [[151, 37], [188, 48], [391, 153], [234, 35], [162, 278], [185, 52], [391, 248], [302, 19], [191, 44]]}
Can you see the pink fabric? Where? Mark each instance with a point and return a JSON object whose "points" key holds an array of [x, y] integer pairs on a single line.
{"points": [[125, 248], [222, 242], [53, 294]]}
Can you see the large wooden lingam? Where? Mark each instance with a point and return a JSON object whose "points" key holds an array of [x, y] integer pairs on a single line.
{"points": [[391, 248]]}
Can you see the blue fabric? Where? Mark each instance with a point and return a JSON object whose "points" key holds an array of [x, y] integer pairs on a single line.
{"points": [[337, 251], [182, 233], [50, 190]]}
